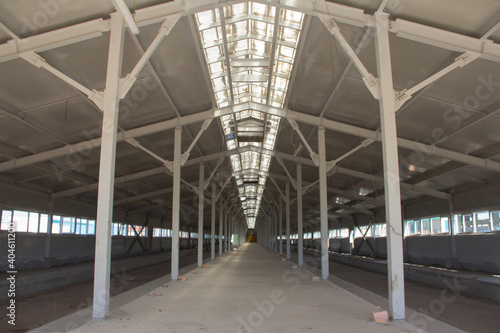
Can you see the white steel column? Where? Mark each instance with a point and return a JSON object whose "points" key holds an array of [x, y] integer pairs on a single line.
{"points": [[107, 171], [48, 239], [221, 225], [212, 236], [176, 203], [287, 189], [226, 221], [391, 169], [201, 202], [281, 226], [300, 226], [323, 192]]}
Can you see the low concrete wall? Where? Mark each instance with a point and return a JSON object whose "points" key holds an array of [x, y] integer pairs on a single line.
{"points": [[59, 277], [71, 248], [475, 252], [456, 282]]}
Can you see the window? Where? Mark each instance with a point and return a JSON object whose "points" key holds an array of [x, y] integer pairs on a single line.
{"points": [[68, 225], [56, 224], [33, 222], [91, 227], [495, 220], [380, 230], [482, 220], [115, 229], [468, 223], [44, 221], [6, 219], [20, 220]]}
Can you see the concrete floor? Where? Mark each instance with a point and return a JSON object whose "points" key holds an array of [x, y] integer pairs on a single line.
{"points": [[249, 290]]}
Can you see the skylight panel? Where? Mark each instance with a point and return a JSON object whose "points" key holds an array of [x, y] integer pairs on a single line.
{"points": [[236, 79]]}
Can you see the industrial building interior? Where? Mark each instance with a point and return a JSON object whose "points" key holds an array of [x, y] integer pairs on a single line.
{"points": [[228, 144]]}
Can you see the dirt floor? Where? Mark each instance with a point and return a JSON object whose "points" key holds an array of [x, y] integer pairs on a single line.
{"points": [[468, 313]]}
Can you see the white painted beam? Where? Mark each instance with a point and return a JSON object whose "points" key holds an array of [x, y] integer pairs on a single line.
{"points": [[102, 263], [212, 229], [287, 191], [300, 227], [176, 197], [395, 263], [340, 13], [370, 81], [201, 204], [87, 145], [165, 29], [323, 198], [121, 7]]}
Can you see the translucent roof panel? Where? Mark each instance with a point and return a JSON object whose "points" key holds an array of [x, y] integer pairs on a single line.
{"points": [[254, 65]]}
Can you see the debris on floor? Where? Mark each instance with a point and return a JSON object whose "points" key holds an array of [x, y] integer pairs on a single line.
{"points": [[182, 278], [165, 286], [380, 316], [295, 266], [315, 279], [205, 266], [154, 294]]}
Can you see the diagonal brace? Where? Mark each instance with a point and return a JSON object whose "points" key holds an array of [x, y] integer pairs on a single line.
{"points": [[186, 154], [36, 60], [371, 82], [127, 82], [461, 61], [296, 128]]}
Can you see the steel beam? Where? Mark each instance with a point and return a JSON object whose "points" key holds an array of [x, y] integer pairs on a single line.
{"points": [[323, 198], [280, 212], [300, 227], [201, 204], [176, 197], [102, 263], [221, 225], [391, 170], [287, 191], [212, 229]]}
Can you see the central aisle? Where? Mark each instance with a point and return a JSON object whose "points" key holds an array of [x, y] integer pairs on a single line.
{"points": [[248, 290]]}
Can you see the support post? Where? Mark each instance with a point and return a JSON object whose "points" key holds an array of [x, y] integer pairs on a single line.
{"points": [[323, 192], [453, 230], [287, 189], [226, 221], [201, 196], [107, 171], [300, 224], [281, 225], [221, 225], [48, 240], [212, 236], [176, 202], [391, 169]]}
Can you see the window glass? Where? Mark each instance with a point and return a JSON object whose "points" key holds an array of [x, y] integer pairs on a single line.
{"points": [[457, 220], [468, 223], [20, 219], [56, 224], [68, 225], [495, 219], [435, 225], [483, 221], [445, 225], [44, 220], [91, 227], [426, 227], [33, 222], [6, 219]]}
